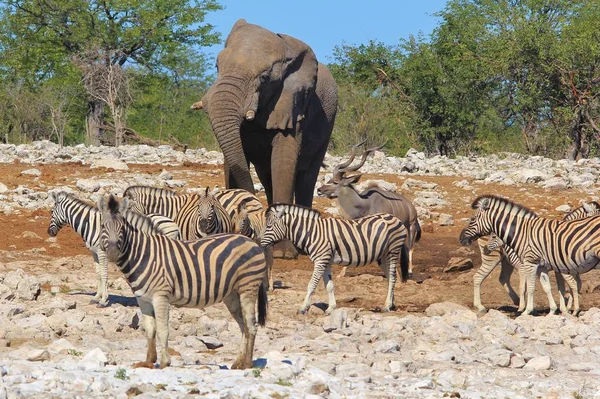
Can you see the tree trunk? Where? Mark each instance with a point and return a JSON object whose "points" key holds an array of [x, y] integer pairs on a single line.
{"points": [[95, 121], [576, 134]]}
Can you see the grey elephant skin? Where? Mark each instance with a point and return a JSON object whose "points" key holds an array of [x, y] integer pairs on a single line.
{"points": [[273, 105]]}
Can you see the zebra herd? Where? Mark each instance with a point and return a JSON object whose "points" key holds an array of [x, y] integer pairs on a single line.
{"points": [[535, 244], [195, 250]]}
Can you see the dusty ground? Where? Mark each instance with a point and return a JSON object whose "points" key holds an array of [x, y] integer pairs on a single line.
{"points": [[362, 288]]}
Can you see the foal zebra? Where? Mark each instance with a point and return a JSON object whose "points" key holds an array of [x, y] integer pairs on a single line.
{"points": [[566, 246], [490, 259], [85, 220], [251, 223], [227, 268], [182, 209], [327, 241]]}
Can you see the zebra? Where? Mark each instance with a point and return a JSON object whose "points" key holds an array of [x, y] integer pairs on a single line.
{"points": [[213, 218], [227, 268], [566, 246], [85, 220], [182, 209], [358, 242], [490, 259], [251, 223], [231, 198]]}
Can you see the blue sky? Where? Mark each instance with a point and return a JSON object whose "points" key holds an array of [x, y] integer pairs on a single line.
{"points": [[324, 24]]}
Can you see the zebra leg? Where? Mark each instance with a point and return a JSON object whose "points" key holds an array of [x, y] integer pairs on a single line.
{"points": [[269, 260], [149, 324], [488, 263], [547, 287], [560, 283], [103, 262], [328, 282], [506, 271], [531, 273], [233, 303], [320, 267], [343, 272], [390, 262], [575, 286], [160, 302], [99, 286], [247, 300], [522, 289]]}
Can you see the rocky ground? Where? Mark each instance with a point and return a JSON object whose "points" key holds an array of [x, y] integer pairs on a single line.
{"points": [[53, 343]]}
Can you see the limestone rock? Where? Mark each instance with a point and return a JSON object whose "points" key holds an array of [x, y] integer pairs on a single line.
{"points": [[539, 363], [446, 220], [32, 172], [109, 163], [456, 264]]}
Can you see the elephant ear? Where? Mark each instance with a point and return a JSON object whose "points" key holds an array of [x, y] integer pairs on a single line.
{"points": [[299, 81]]}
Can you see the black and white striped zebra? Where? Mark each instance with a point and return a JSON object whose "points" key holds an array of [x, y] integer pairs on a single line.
{"points": [[566, 246], [231, 198], [85, 220], [182, 209], [213, 218], [492, 258], [227, 268], [251, 222], [327, 241]]}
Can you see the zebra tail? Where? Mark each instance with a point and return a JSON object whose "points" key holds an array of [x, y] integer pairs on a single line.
{"points": [[404, 263], [262, 303], [418, 227]]}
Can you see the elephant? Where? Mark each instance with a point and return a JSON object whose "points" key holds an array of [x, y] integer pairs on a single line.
{"points": [[273, 105]]}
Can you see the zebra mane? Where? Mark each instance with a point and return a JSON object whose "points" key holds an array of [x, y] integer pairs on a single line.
{"points": [[72, 197], [137, 221], [149, 189], [490, 198], [291, 207]]}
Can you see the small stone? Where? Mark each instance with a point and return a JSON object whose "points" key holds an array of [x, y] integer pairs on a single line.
{"points": [[388, 346], [210, 342], [32, 172], [563, 208], [456, 264], [446, 220], [165, 175], [94, 358], [88, 185], [516, 361], [60, 346], [3, 188], [539, 363], [37, 355], [31, 235], [338, 319], [109, 163]]}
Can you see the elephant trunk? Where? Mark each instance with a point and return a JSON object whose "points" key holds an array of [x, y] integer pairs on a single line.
{"points": [[226, 115]]}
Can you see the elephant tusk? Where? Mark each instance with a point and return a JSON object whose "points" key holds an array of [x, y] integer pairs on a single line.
{"points": [[249, 115], [197, 105]]}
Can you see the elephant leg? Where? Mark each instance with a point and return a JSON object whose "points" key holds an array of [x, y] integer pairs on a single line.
{"points": [[307, 177], [284, 158]]}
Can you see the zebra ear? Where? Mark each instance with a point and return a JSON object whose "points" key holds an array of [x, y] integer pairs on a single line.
{"points": [[484, 204], [55, 196], [103, 204], [206, 191], [214, 191], [279, 212], [124, 205]]}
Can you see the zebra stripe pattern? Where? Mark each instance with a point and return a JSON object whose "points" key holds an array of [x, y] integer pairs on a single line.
{"points": [[213, 218], [231, 198], [565, 246], [182, 209], [85, 220], [358, 242], [490, 259], [227, 268]]}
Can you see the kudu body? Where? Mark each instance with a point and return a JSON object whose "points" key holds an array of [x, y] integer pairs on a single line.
{"points": [[353, 204]]}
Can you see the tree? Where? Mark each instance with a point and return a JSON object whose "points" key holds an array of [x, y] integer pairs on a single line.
{"points": [[39, 38]]}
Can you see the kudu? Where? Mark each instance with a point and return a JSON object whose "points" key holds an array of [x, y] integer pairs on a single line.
{"points": [[374, 199]]}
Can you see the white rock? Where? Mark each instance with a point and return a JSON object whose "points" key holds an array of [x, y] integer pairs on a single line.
{"points": [[109, 163], [94, 359], [563, 208], [3, 188], [338, 319], [60, 346], [410, 184], [446, 220], [529, 176], [32, 172], [88, 185], [387, 346], [539, 363], [37, 355]]}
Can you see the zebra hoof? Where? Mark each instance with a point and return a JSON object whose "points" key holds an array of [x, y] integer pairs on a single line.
{"points": [[103, 305], [302, 311], [482, 311], [94, 301]]}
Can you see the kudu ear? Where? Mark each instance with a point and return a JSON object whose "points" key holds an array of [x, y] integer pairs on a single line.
{"points": [[346, 181]]}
